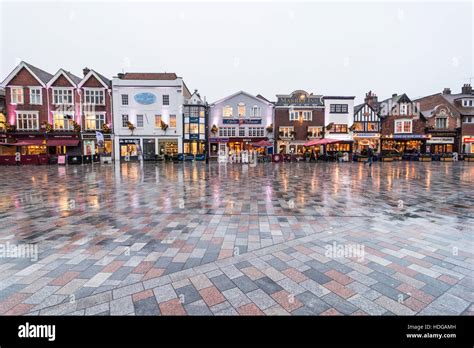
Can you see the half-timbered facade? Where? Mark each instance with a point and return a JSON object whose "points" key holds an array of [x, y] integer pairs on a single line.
{"points": [[366, 125]]}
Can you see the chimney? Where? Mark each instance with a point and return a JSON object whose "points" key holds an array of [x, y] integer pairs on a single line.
{"points": [[466, 89], [447, 91], [371, 99], [120, 75], [85, 71], [394, 95]]}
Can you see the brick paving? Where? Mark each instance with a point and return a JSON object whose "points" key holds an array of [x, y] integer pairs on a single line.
{"points": [[286, 239]]}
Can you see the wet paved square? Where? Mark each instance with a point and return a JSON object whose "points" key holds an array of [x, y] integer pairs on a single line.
{"points": [[275, 239]]}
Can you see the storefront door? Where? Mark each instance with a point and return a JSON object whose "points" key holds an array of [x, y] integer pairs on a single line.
{"points": [[149, 149]]}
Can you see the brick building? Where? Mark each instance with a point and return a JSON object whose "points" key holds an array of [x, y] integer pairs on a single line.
{"points": [[299, 116], [402, 125]]}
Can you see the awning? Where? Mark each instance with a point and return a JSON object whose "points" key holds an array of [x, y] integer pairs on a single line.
{"points": [[324, 141], [25, 143], [262, 143], [62, 142]]}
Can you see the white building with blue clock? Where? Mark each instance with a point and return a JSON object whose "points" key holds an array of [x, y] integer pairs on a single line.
{"points": [[148, 115]]}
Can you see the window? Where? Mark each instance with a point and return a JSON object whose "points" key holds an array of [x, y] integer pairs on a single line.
{"points": [[242, 132], [256, 111], [227, 111], [285, 132], [17, 95], [403, 126], [173, 121], [358, 126], [186, 128], [95, 121], [139, 120], [372, 127], [166, 99], [192, 111], [202, 129], [403, 109], [241, 109], [339, 128], [62, 121], [256, 131], [338, 108], [227, 131], [62, 96], [193, 128], [124, 121], [314, 131], [467, 102], [124, 99], [35, 96], [469, 119], [301, 115], [27, 121], [94, 96], [441, 122], [157, 121]]}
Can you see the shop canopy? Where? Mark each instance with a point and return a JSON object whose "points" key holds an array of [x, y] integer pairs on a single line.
{"points": [[25, 143], [324, 141], [262, 143], [62, 142]]}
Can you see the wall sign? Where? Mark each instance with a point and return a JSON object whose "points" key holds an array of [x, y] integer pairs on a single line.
{"points": [[145, 98], [469, 140], [440, 140], [241, 121]]}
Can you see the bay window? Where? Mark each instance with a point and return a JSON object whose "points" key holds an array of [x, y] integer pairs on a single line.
{"points": [[62, 121], [27, 120], [95, 121]]}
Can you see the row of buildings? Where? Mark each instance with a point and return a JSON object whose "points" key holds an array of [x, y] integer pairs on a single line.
{"points": [[150, 114]]}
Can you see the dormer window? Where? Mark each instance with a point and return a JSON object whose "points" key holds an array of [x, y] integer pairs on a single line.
{"points": [[467, 103], [241, 109]]}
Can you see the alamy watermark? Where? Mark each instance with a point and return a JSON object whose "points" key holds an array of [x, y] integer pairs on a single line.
{"points": [[24, 250], [336, 250]]}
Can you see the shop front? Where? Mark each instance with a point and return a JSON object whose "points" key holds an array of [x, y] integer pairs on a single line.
{"points": [[441, 144], [364, 141], [404, 144], [129, 149], [235, 145], [167, 147], [467, 142], [90, 145], [293, 147], [194, 145]]}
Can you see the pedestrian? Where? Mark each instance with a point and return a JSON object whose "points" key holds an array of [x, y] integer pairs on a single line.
{"points": [[370, 155]]}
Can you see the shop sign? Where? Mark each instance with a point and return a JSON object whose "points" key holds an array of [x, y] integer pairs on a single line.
{"points": [[194, 136], [241, 121], [129, 141], [408, 136], [366, 135], [62, 136], [440, 140], [193, 119], [469, 140]]}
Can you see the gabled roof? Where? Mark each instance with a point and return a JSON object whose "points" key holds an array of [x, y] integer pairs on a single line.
{"points": [[73, 79], [241, 92], [40, 75], [103, 80], [263, 98], [454, 99], [149, 76], [395, 99], [359, 107]]}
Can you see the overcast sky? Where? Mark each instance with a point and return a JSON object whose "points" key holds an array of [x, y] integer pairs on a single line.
{"points": [[332, 48]]}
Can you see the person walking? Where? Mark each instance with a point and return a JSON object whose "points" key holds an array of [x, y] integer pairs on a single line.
{"points": [[370, 155]]}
